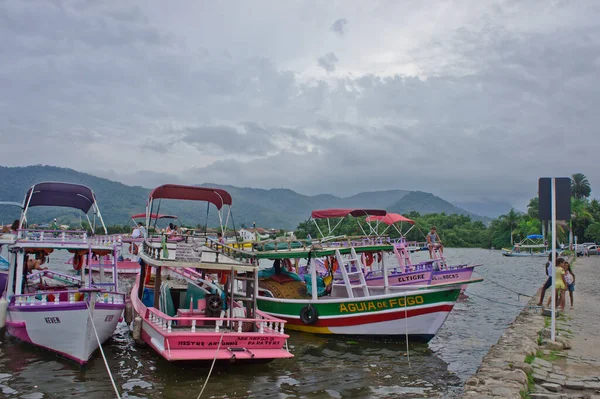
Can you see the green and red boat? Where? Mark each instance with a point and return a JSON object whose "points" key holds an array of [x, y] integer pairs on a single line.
{"points": [[351, 306]]}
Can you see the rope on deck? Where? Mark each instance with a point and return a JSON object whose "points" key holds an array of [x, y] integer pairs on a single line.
{"points": [[102, 352]]}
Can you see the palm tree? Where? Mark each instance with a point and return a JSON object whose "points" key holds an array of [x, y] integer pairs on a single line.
{"points": [[533, 209], [511, 221], [580, 186]]}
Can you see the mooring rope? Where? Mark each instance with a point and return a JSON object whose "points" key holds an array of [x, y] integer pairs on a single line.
{"points": [[213, 365], [506, 288], [102, 351], [406, 329], [504, 303]]}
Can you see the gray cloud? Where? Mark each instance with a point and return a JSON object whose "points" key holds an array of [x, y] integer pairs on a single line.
{"points": [[479, 103], [328, 61], [339, 26]]}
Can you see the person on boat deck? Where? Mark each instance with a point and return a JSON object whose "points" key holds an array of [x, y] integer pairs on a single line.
{"points": [[220, 238], [15, 226], [518, 248], [139, 231], [434, 241], [35, 264], [170, 229]]}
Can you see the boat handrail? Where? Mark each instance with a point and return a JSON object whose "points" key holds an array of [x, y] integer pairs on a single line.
{"points": [[50, 297], [53, 274], [76, 237], [263, 320]]}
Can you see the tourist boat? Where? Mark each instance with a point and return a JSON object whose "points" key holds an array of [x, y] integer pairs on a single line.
{"points": [[201, 304], [532, 245], [429, 272], [432, 271], [66, 313], [414, 312], [350, 306]]}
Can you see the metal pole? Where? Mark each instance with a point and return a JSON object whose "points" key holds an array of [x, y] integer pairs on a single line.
{"points": [[313, 279], [553, 201]]}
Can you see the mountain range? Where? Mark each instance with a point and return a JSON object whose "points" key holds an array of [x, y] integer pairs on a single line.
{"points": [[274, 208]]}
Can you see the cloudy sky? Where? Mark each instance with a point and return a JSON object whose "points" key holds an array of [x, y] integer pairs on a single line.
{"points": [[465, 99]]}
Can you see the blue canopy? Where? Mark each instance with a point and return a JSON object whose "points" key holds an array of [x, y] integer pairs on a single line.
{"points": [[535, 236]]}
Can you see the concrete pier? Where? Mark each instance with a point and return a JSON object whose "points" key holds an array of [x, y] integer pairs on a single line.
{"points": [[526, 364]]}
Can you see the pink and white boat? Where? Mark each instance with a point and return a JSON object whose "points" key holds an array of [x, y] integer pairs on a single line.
{"points": [[200, 304], [68, 314]]}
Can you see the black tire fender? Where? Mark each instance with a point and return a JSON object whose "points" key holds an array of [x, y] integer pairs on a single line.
{"points": [[309, 315], [214, 303]]}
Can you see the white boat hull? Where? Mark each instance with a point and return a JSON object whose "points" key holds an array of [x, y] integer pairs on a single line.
{"points": [[66, 328]]}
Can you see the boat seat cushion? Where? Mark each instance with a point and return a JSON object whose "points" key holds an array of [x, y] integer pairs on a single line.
{"points": [[282, 278]]}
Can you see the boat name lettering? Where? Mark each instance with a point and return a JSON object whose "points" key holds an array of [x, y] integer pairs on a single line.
{"points": [[403, 279], [445, 276], [190, 343], [384, 304], [52, 320]]}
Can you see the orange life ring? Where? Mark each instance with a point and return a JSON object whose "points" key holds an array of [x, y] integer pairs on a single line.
{"points": [[368, 258], [77, 261], [379, 256], [133, 249]]}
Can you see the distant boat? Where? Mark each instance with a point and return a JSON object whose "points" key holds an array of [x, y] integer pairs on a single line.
{"points": [[532, 245]]}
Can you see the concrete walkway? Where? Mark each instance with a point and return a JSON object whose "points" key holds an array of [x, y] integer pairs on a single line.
{"points": [[575, 373]]}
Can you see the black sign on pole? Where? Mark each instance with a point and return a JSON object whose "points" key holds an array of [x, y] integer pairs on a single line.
{"points": [[563, 198]]}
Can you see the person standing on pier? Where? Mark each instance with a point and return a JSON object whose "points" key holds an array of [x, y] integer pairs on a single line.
{"points": [[570, 280], [548, 282]]}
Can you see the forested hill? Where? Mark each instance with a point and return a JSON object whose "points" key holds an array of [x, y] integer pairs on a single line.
{"points": [[275, 208]]}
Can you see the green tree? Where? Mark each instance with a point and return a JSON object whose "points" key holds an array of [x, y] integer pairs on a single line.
{"points": [[511, 221], [593, 232], [533, 209], [580, 217], [580, 186]]}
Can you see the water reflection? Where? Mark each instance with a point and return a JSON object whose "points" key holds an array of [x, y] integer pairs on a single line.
{"points": [[323, 367]]}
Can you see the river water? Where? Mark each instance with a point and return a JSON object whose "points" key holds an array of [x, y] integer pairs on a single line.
{"points": [[323, 366]]}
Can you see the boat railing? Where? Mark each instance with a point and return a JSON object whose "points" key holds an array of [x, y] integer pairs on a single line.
{"points": [[67, 297], [359, 241], [54, 275], [67, 236], [265, 323]]}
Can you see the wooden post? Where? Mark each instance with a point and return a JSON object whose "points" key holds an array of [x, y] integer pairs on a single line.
{"points": [[157, 281]]}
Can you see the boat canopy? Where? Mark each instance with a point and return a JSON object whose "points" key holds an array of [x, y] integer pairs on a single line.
{"points": [[216, 196], [340, 213], [153, 216], [60, 194], [390, 219], [535, 236]]}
